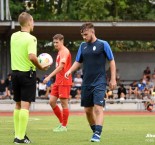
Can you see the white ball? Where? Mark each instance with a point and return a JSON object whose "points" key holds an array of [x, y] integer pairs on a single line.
{"points": [[45, 59]]}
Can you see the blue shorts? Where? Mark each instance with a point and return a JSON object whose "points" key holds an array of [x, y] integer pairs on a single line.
{"points": [[91, 95]]}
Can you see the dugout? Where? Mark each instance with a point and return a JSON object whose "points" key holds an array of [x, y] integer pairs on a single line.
{"points": [[129, 64]]}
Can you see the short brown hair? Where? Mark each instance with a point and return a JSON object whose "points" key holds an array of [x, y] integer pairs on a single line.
{"points": [[58, 36], [24, 18], [87, 25]]}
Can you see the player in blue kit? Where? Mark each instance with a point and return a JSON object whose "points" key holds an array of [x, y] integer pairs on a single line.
{"points": [[93, 53]]}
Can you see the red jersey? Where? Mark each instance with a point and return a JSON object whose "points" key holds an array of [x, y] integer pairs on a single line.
{"points": [[65, 57]]}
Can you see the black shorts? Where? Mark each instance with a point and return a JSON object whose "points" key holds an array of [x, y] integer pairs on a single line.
{"points": [[91, 95], [24, 86], [41, 92]]}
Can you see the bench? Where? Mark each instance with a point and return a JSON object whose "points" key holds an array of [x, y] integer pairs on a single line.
{"points": [[40, 101], [139, 103], [72, 103]]}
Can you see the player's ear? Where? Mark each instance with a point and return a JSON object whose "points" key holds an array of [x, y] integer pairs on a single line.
{"points": [[62, 41], [92, 30], [27, 24]]}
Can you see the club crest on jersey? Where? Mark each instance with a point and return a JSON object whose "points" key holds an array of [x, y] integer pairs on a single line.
{"points": [[94, 48]]}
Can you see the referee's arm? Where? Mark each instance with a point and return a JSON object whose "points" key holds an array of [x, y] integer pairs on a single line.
{"points": [[35, 61]]}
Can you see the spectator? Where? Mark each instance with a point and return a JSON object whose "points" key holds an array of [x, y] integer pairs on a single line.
{"points": [[37, 86], [133, 89], [153, 79], [78, 81], [149, 84], [117, 76], [148, 88], [48, 87], [141, 87], [147, 72], [73, 91], [79, 71], [78, 94], [42, 89], [2, 89], [146, 94], [8, 83], [121, 92], [149, 105], [153, 91], [108, 75], [109, 95]]}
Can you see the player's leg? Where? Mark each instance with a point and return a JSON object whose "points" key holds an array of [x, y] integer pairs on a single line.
{"points": [[98, 93], [23, 118], [53, 104], [65, 115], [16, 118], [28, 93], [87, 103], [56, 109], [90, 117], [17, 99], [64, 92], [65, 111], [98, 111], [20, 123]]}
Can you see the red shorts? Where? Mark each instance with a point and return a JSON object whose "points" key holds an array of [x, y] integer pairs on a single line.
{"points": [[61, 91]]}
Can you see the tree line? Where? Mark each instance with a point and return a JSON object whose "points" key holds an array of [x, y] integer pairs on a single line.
{"points": [[90, 10], [84, 10]]}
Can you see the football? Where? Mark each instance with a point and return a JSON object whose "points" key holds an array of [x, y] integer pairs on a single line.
{"points": [[45, 59]]}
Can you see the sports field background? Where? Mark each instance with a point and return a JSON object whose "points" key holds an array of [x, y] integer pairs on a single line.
{"points": [[124, 129]]}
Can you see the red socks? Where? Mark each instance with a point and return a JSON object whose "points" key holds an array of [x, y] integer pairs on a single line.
{"points": [[58, 113], [62, 116], [65, 116]]}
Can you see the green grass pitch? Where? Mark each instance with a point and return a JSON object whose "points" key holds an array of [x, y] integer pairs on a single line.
{"points": [[117, 130]]}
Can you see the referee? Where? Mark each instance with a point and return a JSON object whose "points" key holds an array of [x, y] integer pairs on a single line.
{"points": [[23, 64]]}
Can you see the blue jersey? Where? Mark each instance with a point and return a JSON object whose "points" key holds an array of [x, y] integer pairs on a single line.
{"points": [[93, 56]]}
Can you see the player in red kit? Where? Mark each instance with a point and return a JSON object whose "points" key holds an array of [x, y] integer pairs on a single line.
{"points": [[61, 88]]}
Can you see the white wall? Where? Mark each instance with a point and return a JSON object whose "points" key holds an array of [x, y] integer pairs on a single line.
{"points": [[130, 64]]}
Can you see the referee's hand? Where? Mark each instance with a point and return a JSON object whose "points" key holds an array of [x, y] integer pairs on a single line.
{"points": [[45, 67]]}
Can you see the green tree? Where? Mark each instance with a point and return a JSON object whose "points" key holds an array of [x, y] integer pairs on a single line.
{"points": [[87, 10], [136, 10], [16, 7]]}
